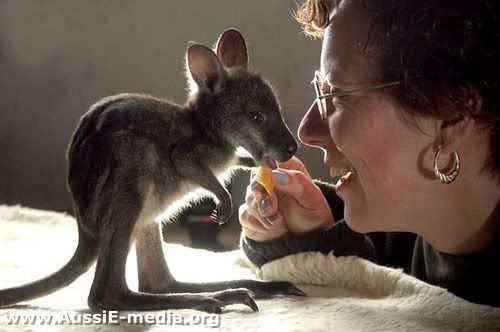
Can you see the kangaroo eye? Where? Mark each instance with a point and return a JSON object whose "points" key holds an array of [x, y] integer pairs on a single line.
{"points": [[258, 117]]}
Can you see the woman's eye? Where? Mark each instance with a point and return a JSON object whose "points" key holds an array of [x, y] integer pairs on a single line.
{"points": [[258, 117], [340, 104]]}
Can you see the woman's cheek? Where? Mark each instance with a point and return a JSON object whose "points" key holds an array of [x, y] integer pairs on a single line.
{"points": [[339, 128]]}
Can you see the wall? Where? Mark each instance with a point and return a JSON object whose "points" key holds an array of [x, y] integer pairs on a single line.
{"points": [[58, 57]]}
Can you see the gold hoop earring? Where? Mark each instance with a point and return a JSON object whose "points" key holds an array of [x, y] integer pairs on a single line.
{"points": [[453, 174]]}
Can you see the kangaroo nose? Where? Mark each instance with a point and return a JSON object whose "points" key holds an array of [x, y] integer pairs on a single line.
{"points": [[291, 148]]}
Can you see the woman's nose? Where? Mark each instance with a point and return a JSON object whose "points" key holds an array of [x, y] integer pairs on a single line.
{"points": [[313, 130]]}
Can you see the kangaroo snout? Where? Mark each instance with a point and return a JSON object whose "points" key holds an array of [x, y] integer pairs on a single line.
{"points": [[290, 149], [286, 150]]}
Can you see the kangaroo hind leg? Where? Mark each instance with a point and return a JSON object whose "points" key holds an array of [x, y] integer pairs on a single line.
{"points": [[155, 277]]}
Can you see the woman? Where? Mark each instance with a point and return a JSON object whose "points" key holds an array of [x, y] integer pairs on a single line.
{"points": [[407, 117]]}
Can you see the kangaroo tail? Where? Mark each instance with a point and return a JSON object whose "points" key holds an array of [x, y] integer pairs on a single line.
{"points": [[84, 256]]}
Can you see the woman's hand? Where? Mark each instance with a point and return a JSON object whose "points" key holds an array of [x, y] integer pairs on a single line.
{"points": [[297, 206]]}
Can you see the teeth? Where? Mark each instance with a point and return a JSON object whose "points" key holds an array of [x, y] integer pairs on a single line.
{"points": [[344, 178], [342, 171]]}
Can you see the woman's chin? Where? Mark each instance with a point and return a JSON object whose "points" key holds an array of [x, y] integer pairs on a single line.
{"points": [[357, 222]]}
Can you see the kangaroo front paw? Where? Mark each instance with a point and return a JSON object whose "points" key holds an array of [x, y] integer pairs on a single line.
{"points": [[222, 213], [246, 162]]}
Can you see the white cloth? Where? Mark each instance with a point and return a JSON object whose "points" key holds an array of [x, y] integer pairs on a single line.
{"points": [[344, 293]]}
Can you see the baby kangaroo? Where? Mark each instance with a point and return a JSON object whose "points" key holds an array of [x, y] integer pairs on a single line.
{"points": [[133, 155]]}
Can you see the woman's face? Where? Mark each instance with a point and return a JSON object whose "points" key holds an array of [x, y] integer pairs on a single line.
{"points": [[388, 157]]}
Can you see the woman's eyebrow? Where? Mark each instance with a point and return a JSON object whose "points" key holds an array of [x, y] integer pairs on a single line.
{"points": [[326, 81], [329, 88], [324, 84]]}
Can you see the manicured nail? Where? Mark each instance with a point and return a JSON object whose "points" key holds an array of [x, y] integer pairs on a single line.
{"points": [[280, 177], [264, 204], [271, 220]]}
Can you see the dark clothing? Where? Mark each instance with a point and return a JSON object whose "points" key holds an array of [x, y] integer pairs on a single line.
{"points": [[474, 277]]}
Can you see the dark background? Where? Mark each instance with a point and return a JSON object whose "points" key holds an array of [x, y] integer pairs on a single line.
{"points": [[58, 57]]}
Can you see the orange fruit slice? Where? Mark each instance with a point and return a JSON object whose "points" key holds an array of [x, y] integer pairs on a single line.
{"points": [[264, 177]]}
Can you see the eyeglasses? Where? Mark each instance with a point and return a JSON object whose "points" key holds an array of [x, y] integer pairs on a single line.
{"points": [[321, 98]]}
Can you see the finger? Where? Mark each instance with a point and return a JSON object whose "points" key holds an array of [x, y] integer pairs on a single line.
{"points": [[259, 202], [252, 227], [267, 205], [250, 222], [300, 186], [296, 164], [254, 191], [249, 215], [255, 234], [269, 236], [274, 219], [262, 206], [256, 187]]}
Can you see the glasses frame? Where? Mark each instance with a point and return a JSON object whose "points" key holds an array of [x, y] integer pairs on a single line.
{"points": [[321, 98]]}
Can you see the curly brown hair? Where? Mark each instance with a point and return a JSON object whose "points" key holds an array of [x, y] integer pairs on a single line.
{"points": [[445, 52]]}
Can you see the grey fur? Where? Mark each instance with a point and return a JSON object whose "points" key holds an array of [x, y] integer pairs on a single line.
{"points": [[134, 155]]}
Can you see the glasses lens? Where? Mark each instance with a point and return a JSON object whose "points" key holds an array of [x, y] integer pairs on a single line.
{"points": [[320, 101]]}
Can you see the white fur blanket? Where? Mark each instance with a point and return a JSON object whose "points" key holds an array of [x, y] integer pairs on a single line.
{"points": [[344, 293]]}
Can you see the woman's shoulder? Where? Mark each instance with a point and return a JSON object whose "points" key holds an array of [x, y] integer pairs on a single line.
{"points": [[472, 276]]}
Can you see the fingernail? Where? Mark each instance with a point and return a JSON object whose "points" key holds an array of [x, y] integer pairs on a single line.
{"points": [[272, 219], [264, 204], [280, 177]]}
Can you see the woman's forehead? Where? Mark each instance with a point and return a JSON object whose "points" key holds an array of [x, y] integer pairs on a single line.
{"points": [[344, 59]]}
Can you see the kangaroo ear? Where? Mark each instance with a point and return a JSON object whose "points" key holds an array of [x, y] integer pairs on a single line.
{"points": [[205, 68], [232, 50]]}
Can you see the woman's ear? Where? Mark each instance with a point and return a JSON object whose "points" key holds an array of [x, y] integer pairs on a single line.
{"points": [[454, 132]]}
